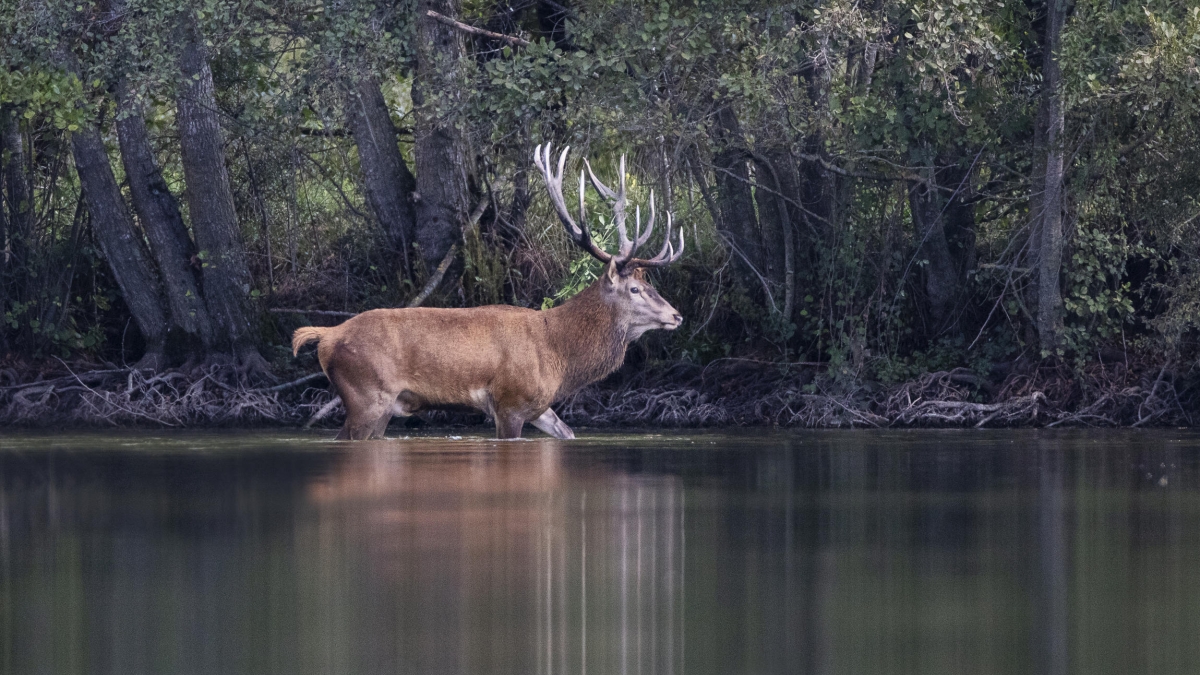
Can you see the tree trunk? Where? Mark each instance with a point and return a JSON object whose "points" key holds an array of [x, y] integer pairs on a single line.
{"points": [[3, 233], [16, 181], [1050, 241], [210, 204], [158, 211], [389, 184], [120, 243], [738, 222], [818, 186], [941, 278], [518, 208], [775, 180], [440, 149]]}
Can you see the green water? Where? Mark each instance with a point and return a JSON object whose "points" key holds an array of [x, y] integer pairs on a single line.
{"points": [[674, 552]]}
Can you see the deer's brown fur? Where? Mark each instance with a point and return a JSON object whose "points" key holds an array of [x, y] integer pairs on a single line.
{"points": [[510, 362]]}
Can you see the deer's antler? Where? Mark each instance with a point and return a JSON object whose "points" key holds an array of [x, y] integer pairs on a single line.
{"points": [[581, 235]]}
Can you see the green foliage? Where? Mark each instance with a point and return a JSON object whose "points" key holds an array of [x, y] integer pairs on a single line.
{"points": [[853, 108], [1097, 297], [583, 269], [53, 95]]}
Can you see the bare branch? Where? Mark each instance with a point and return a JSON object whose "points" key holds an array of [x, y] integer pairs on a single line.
{"points": [[317, 312], [458, 25], [436, 278]]}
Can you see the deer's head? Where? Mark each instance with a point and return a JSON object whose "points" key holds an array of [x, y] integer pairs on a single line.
{"points": [[623, 283]]}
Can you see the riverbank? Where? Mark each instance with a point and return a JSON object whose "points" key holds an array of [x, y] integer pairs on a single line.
{"points": [[726, 392]]}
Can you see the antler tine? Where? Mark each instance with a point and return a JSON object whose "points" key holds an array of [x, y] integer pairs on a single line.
{"points": [[625, 248], [579, 233], [554, 184], [581, 196], [667, 255], [643, 237], [677, 254], [603, 189]]}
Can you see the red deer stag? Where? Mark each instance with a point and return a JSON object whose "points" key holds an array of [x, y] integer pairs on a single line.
{"points": [[509, 362]]}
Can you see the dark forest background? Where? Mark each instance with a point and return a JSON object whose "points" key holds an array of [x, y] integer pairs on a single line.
{"points": [[873, 190]]}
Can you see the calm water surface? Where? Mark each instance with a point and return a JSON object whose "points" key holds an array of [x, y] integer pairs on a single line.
{"points": [[683, 552]]}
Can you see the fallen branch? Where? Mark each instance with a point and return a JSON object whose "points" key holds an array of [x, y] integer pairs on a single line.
{"points": [[325, 410], [458, 25], [317, 312], [436, 279], [93, 375], [295, 383]]}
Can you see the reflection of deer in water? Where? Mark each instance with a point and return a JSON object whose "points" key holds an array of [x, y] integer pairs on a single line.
{"points": [[509, 561], [510, 362]]}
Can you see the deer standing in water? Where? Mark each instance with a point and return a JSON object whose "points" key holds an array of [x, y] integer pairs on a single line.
{"points": [[510, 362]]}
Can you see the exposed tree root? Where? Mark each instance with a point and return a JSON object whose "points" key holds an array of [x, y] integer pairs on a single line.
{"points": [[738, 393], [215, 395], [729, 392]]}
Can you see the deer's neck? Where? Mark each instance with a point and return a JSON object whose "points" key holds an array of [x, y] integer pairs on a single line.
{"points": [[587, 338]]}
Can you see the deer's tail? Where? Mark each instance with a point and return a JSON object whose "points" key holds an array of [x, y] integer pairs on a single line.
{"points": [[305, 335]]}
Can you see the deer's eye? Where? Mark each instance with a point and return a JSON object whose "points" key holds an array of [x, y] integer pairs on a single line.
{"points": [[635, 289]]}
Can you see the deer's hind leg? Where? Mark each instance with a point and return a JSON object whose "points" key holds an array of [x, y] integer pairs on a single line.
{"points": [[367, 413]]}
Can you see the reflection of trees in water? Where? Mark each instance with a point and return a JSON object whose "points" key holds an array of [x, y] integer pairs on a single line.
{"points": [[611, 579], [535, 557]]}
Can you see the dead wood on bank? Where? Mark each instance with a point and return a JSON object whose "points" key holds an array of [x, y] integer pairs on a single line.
{"points": [[729, 392], [213, 396], [734, 394]]}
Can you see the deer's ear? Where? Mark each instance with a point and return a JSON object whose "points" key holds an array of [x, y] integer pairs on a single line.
{"points": [[611, 275]]}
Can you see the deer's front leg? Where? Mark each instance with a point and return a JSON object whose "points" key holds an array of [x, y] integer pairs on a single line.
{"points": [[508, 424], [550, 423]]}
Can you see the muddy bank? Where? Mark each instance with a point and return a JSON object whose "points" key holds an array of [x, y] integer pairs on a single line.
{"points": [[727, 392]]}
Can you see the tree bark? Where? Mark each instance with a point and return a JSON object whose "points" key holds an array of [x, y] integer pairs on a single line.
{"points": [[210, 204], [120, 243], [3, 232], [1050, 241], [440, 149], [775, 180], [4, 113], [944, 224], [389, 183], [518, 208], [818, 185], [158, 211], [738, 221], [941, 278], [16, 182]]}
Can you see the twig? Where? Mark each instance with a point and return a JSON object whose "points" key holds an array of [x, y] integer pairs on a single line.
{"points": [[104, 396]]}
